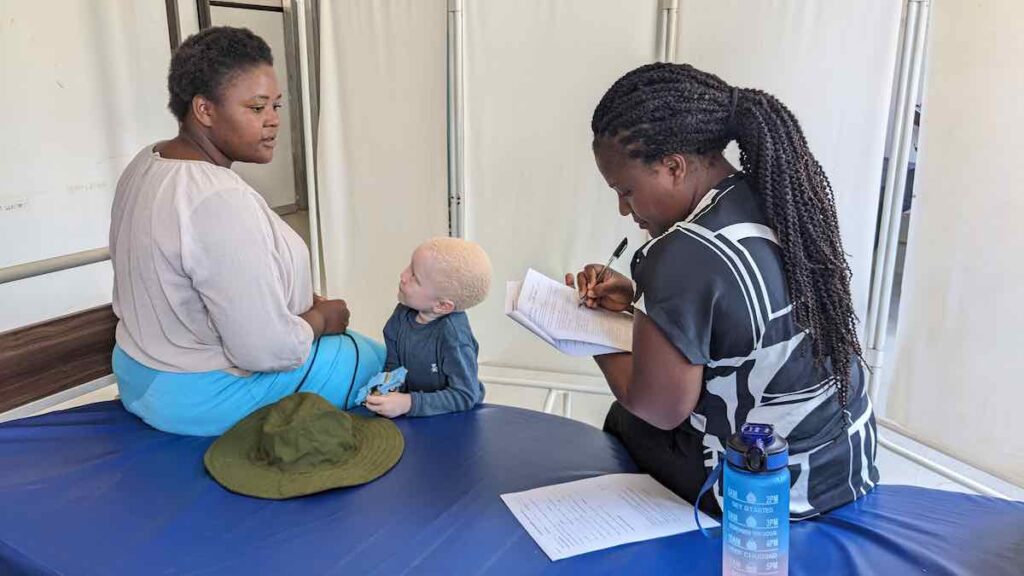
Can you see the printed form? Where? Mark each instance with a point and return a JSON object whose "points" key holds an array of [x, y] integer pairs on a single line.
{"points": [[597, 513]]}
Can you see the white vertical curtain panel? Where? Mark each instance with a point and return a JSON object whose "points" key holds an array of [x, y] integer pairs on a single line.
{"points": [[382, 158], [955, 384], [832, 63], [535, 69]]}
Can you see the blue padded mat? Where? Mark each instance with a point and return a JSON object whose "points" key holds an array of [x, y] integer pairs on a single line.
{"points": [[94, 490]]}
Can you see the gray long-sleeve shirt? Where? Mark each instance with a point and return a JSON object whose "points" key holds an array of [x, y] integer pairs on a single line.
{"points": [[441, 358]]}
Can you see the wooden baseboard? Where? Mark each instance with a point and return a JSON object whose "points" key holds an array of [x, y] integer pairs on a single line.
{"points": [[43, 359]]}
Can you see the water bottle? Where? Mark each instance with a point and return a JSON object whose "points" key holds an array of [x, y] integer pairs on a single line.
{"points": [[755, 515]]}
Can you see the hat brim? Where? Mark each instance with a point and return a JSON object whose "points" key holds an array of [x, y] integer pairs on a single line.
{"points": [[379, 447]]}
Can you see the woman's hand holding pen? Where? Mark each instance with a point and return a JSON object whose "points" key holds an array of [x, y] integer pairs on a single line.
{"points": [[614, 291]]}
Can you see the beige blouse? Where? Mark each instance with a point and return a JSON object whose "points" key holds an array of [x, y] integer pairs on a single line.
{"points": [[206, 275]]}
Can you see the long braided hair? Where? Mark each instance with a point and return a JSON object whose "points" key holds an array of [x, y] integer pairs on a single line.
{"points": [[661, 109]]}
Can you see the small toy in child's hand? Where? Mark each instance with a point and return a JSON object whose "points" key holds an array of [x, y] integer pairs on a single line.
{"points": [[387, 382], [383, 383]]}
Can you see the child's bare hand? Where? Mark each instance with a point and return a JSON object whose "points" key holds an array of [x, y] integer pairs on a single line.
{"points": [[391, 405]]}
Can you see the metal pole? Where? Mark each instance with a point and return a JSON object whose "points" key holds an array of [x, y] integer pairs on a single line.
{"points": [[885, 254], [671, 15], [662, 39], [913, 88], [173, 24], [203, 10], [296, 103], [307, 132], [549, 401], [902, 79], [456, 121], [50, 265], [546, 385]]}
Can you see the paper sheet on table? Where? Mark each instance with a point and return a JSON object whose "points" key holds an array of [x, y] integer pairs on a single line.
{"points": [[597, 513]]}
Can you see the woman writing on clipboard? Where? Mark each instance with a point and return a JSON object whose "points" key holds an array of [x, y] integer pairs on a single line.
{"points": [[742, 296]]}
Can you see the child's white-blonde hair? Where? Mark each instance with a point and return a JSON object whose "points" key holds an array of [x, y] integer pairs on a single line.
{"points": [[463, 270]]}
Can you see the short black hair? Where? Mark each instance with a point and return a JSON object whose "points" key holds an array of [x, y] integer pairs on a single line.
{"points": [[204, 62]]}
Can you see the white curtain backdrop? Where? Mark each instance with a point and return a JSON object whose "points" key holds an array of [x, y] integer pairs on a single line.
{"points": [[832, 63], [954, 383], [382, 157], [535, 69]]}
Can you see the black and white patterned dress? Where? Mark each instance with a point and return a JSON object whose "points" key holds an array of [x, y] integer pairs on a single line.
{"points": [[714, 284]]}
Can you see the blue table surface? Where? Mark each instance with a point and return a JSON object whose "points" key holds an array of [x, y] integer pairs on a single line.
{"points": [[93, 490]]}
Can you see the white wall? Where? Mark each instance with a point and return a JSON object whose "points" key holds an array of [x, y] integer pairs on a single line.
{"points": [[954, 382], [82, 94]]}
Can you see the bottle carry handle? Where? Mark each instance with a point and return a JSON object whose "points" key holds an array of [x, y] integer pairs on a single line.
{"points": [[712, 479]]}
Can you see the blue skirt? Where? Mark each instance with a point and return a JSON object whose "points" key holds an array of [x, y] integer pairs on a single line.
{"points": [[209, 403]]}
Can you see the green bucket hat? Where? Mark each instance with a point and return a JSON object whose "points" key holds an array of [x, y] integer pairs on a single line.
{"points": [[301, 445]]}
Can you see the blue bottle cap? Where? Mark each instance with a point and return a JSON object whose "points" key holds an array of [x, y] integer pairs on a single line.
{"points": [[756, 448]]}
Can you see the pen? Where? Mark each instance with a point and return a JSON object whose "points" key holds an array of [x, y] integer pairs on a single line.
{"points": [[600, 275]]}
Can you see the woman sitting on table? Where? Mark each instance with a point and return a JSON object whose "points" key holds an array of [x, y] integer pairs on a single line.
{"points": [[213, 291], [742, 297]]}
